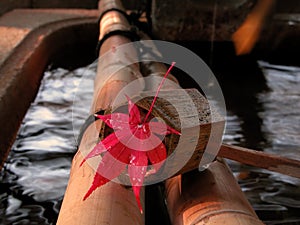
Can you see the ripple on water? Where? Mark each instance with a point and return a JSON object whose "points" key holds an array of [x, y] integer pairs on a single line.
{"points": [[36, 174], [275, 197], [37, 170]]}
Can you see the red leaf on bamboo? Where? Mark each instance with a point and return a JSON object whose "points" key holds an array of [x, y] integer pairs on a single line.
{"points": [[134, 143]]}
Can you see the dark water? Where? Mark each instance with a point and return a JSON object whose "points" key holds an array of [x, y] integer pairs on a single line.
{"points": [[36, 174], [275, 197]]}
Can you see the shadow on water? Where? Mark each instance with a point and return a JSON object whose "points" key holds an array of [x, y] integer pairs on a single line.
{"points": [[36, 173]]}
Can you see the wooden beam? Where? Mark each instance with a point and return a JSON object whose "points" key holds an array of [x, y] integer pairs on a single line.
{"points": [[261, 159]]}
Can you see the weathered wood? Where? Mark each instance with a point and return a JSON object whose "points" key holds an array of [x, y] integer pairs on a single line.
{"points": [[210, 197], [187, 111], [184, 110], [112, 203], [261, 159], [174, 107]]}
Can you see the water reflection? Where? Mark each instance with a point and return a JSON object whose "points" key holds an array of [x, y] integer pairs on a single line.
{"points": [[264, 116], [35, 176], [275, 197], [282, 110]]}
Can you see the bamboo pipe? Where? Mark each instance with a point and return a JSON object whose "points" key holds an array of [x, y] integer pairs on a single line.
{"points": [[210, 197], [112, 203]]}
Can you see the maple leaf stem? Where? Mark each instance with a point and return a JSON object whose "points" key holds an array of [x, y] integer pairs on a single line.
{"points": [[157, 91]]}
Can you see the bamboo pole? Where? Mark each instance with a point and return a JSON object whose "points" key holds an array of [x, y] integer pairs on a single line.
{"points": [[210, 197], [112, 203]]}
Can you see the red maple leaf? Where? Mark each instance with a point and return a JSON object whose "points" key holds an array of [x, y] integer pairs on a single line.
{"points": [[134, 143]]}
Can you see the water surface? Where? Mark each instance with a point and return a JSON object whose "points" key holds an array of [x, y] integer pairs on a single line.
{"points": [[35, 175]]}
